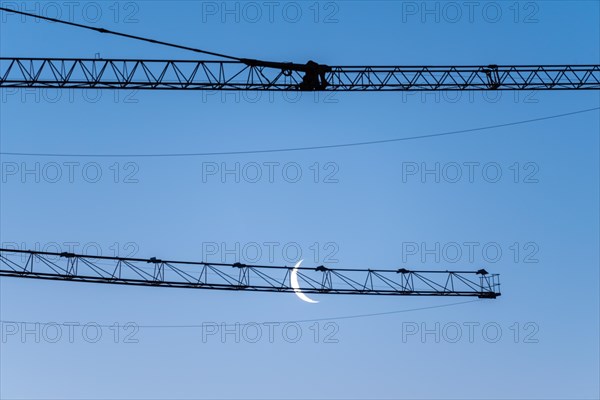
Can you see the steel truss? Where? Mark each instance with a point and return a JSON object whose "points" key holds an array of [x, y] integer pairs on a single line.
{"points": [[261, 278], [114, 74]]}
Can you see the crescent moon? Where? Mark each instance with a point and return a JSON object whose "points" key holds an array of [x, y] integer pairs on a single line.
{"points": [[294, 284]]}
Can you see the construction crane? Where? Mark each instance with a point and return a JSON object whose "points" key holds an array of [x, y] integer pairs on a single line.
{"points": [[235, 73], [155, 272], [119, 74], [250, 74]]}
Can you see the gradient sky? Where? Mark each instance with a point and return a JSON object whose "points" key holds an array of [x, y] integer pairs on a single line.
{"points": [[362, 212]]}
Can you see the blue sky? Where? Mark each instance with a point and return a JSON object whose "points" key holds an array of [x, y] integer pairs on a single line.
{"points": [[362, 211]]}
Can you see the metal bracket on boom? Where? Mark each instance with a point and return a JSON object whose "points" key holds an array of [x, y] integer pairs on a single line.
{"points": [[493, 76], [314, 73]]}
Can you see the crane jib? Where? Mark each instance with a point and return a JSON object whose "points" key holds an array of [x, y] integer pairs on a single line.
{"points": [[118, 74]]}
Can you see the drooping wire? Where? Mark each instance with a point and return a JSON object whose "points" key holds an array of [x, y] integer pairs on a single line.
{"points": [[301, 321], [102, 30], [310, 148]]}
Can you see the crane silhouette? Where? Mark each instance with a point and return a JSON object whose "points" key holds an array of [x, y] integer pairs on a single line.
{"points": [[235, 73]]}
